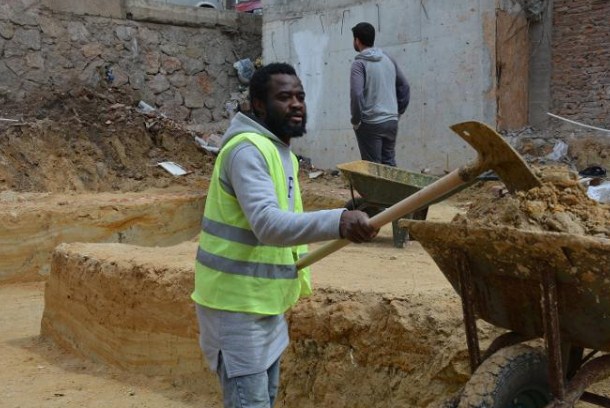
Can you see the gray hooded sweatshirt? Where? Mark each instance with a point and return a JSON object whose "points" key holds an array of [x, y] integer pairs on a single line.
{"points": [[379, 92], [249, 343]]}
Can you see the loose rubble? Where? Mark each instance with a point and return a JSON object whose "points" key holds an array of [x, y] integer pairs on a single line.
{"points": [[561, 204]]}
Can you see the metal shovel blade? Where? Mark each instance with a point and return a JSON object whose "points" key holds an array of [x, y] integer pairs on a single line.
{"points": [[494, 153]]}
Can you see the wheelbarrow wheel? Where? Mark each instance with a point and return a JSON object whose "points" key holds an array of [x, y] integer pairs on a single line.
{"points": [[513, 377]]}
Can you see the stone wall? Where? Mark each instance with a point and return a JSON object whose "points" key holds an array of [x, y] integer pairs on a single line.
{"points": [[184, 70], [581, 60]]}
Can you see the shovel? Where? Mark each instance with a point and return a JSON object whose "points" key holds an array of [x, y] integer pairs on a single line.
{"points": [[493, 154]]}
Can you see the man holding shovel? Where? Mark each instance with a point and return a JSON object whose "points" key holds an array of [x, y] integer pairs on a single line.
{"points": [[254, 231]]}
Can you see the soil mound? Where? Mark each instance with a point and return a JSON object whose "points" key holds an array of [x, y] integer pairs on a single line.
{"points": [[85, 140], [561, 204]]}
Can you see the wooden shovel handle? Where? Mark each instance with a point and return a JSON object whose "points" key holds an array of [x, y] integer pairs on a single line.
{"points": [[406, 206]]}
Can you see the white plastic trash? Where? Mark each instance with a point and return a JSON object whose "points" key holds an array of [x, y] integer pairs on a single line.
{"points": [[173, 168], [143, 107], [560, 150], [245, 70], [600, 193]]}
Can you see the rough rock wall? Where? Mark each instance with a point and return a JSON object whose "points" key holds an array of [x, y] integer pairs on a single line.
{"points": [[186, 71], [581, 60], [129, 306]]}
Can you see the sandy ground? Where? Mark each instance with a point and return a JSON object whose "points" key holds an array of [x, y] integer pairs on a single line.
{"points": [[38, 373]]}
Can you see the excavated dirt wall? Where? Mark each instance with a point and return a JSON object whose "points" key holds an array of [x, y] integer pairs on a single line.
{"points": [[355, 349], [129, 306], [124, 305], [32, 224]]}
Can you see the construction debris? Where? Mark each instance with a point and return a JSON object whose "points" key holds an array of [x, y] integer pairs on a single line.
{"points": [[560, 205], [173, 168]]}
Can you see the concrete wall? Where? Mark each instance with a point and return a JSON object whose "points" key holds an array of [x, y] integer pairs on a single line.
{"points": [[446, 49], [162, 12], [581, 60], [177, 59]]}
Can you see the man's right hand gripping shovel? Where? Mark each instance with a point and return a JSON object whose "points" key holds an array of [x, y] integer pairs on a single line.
{"points": [[493, 154], [354, 226]]}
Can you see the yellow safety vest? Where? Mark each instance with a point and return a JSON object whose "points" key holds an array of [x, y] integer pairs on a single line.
{"points": [[234, 271]]}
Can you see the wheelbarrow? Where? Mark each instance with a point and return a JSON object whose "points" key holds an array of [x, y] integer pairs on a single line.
{"points": [[536, 285], [380, 187]]}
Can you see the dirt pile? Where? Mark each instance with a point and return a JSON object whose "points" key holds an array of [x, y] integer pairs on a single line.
{"points": [[90, 140], [97, 141], [561, 204]]}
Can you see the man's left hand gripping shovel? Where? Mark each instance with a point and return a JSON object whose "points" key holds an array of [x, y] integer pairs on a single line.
{"points": [[493, 154]]}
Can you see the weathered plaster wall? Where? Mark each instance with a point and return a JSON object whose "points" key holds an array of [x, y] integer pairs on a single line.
{"points": [[446, 49], [183, 66], [581, 60]]}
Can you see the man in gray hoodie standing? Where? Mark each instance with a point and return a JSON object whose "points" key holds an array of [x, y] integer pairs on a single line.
{"points": [[379, 94]]}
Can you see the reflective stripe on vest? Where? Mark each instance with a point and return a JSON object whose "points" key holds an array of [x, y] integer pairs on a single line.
{"points": [[234, 270]]}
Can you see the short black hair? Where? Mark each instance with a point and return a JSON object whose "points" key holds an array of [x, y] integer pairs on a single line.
{"points": [[260, 79], [365, 32]]}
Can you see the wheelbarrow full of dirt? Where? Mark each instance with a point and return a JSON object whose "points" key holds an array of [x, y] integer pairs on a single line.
{"points": [[380, 186], [538, 286]]}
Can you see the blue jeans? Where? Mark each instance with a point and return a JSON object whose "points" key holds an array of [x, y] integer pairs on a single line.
{"points": [[249, 391]]}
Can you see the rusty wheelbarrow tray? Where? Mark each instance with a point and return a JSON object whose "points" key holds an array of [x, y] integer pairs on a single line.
{"points": [[545, 285], [382, 186]]}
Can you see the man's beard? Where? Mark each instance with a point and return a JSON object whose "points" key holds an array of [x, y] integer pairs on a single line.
{"points": [[281, 126]]}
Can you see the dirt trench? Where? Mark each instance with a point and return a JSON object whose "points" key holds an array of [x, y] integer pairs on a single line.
{"points": [[87, 210], [364, 339]]}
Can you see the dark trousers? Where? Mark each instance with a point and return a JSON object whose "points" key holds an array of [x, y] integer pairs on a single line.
{"points": [[377, 142]]}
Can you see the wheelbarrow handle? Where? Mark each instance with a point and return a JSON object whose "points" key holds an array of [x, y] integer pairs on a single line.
{"points": [[406, 206]]}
